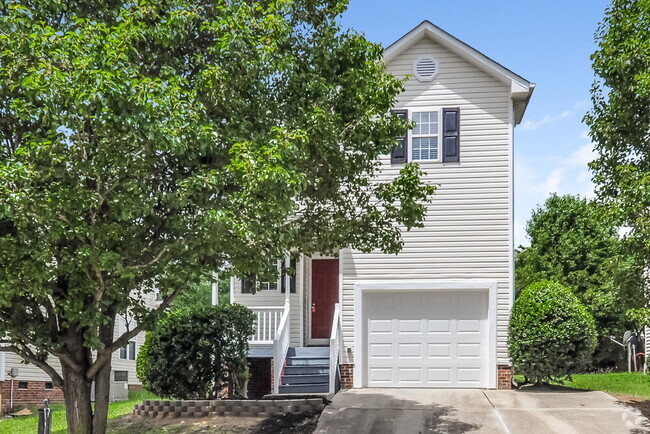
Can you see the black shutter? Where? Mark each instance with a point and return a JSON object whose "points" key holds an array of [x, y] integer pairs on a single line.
{"points": [[292, 277], [399, 152], [248, 285], [451, 134]]}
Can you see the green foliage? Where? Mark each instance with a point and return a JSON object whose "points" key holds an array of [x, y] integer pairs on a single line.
{"points": [[574, 243], [639, 317], [619, 120], [199, 295], [194, 355], [145, 144], [570, 243], [551, 335]]}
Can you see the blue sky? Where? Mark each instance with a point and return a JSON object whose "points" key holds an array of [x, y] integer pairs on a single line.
{"points": [[547, 42]]}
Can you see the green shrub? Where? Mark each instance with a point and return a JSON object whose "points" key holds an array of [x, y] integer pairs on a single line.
{"points": [[195, 354], [552, 335]]}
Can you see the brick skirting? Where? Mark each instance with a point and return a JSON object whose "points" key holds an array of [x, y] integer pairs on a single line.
{"points": [[227, 407], [33, 395], [347, 375], [504, 377]]}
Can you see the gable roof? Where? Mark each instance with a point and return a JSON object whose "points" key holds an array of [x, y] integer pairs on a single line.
{"points": [[520, 88]]}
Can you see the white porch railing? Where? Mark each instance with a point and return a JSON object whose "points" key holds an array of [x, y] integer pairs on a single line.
{"points": [[336, 346], [267, 321], [281, 346]]}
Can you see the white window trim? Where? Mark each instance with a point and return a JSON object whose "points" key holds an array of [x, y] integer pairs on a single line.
{"points": [[277, 283], [410, 135], [128, 350]]}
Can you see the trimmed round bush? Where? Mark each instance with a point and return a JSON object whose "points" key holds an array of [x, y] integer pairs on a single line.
{"points": [[196, 354], [552, 335]]}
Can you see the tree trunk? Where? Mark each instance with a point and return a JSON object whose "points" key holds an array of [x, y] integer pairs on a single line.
{"points": [[102, 392], [78, 409]]}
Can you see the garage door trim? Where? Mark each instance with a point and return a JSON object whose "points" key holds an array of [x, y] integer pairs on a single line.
{"points": [[366, 287]]}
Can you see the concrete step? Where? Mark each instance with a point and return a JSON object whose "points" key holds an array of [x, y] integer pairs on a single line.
{"points": [[309, 351], [307, 361], [303, 370], [305, 388], [305, 378]]}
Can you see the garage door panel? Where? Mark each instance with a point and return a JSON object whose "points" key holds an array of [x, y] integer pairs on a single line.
{"points": [[380, 326], [439, 326], [410, 350], [428, 339], [439, 350], [380, 350]]}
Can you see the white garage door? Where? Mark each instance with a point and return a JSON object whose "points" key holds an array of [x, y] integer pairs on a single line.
{"points": [[427, 339]]}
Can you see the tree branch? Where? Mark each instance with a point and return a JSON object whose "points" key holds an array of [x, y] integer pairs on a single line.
{"points": [[30, 357], [153, 261], [104, 355]]}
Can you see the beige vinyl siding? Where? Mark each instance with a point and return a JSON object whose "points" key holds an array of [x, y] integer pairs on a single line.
{"points": [[28, 372], [466, 234], [276, 298]]}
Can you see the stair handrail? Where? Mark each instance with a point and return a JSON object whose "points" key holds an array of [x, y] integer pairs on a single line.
{"points": [[281, 346], [336, 346]]}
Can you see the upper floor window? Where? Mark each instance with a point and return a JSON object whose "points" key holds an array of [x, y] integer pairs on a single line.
{"points": [[425, 136], [434, 137]]}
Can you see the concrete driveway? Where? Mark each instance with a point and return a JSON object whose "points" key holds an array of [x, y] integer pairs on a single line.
{"points": [[406, 411]]}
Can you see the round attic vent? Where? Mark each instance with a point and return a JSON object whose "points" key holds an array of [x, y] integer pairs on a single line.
{"points": [[425, 68]]}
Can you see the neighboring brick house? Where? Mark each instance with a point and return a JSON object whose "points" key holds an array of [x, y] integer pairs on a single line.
{"points": [[436, 314]]}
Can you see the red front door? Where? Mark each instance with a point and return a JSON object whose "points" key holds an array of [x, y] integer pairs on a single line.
{"points": [[324, 295]]}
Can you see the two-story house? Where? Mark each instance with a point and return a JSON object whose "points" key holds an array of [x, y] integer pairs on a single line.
{"points": [[436, 314]]}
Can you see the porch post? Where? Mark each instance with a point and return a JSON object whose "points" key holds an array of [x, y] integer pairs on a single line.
{"points": [[287, 278], [215, 289]]}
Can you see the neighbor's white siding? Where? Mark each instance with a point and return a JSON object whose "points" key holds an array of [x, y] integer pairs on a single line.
{"points": [[466, 234]]}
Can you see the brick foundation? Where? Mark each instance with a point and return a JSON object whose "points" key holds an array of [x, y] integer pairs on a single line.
{"points": [[33, 395], [260, 382], [504, 377], [347, 375]]}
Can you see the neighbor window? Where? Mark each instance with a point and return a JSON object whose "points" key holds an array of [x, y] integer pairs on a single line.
{"points": [[22, 384], [127, 352], [121, 376], [49, 385], [425, 136]]}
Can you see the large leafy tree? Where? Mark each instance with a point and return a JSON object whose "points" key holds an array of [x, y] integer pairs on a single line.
{"points": [[147, 143], [619, 120], [572, 243]]}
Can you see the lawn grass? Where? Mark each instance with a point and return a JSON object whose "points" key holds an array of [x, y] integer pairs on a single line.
{"points": [[624, 383], [29, 424]]}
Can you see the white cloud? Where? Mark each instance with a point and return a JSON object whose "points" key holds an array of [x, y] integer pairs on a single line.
{"points": [[581, 156], [532, 124]]}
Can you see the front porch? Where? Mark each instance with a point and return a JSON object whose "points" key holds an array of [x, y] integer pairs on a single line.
{"points": [[296, 369]]}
